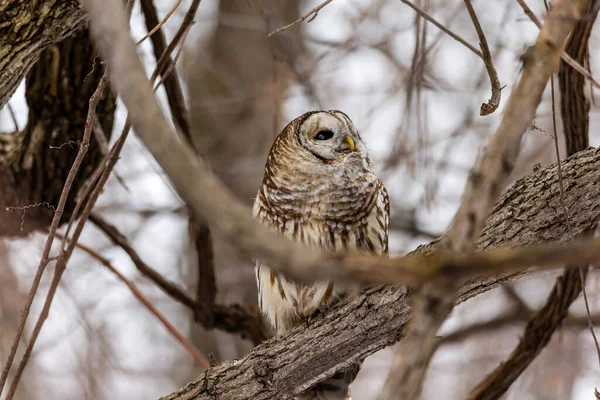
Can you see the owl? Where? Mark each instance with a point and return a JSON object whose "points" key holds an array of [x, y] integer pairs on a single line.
{"points": [[319, 188]]}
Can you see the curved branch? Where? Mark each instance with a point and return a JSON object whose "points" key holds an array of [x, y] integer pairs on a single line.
{"points": [[486, 56]]}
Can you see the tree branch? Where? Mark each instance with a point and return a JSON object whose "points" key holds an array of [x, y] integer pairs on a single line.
{"points": [[377, 318], [25, 33], [486, 56], [232, 318]]}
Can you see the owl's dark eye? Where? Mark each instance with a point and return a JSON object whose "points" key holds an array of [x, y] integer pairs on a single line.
{"points": [[324, 135]]}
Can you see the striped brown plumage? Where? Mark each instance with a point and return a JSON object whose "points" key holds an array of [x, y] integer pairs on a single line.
{"points": [[319, 188]]}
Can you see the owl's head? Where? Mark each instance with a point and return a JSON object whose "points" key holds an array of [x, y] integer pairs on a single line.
{"points": [[329, 136], [319, 160]]}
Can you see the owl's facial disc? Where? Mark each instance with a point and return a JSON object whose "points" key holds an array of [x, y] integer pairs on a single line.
{"points": [[329, 136]]}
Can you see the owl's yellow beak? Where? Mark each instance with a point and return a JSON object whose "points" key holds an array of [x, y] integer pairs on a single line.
{"points": [[350, 142]]}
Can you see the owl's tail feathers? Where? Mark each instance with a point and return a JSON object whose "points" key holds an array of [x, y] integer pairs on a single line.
{"points": [[335, 388]]}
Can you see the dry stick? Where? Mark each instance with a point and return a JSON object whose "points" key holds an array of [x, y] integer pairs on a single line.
{"points": [[13, 116], [314, 11], [484, 54], [94, 99], [494, 101], [481, 192], [491, 327], [167, 74], [172, 87], [158, 25], [61, 266], [64, 257], [198, 357], [170, 288]]}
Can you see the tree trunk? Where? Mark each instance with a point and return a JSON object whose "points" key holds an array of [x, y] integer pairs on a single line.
{"points": [[34, 162]]}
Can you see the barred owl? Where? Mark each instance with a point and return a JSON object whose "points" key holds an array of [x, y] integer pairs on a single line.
{"points": [[319, 188]]}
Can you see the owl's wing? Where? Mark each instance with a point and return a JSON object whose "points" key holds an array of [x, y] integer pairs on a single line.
{"points": [[372, 234]]}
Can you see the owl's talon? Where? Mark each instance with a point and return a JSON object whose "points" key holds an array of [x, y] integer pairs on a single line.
{"points": [[307, 318]]}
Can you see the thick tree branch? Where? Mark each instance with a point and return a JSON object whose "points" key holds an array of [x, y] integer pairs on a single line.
{"points": [[527, 214], [25, 32]]}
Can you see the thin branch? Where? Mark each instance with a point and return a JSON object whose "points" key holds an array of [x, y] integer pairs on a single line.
{"points": [[486, 56], [170, 288], [537, 334], [157, 25], [453, 35], [198, 357], [168, 73], [232, 318], [171, 80], [491, 326], [314, 11], [83, 147], [570, 284], [13, 116]]}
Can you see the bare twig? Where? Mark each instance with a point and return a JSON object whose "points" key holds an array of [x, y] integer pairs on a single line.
{"points": [[453, 35], [168, 73], [13, 116], [94, 99], [157, 25], [120, 240], [172, 86], [198, 357], [486, 56], [312, 12], [231, 318]]}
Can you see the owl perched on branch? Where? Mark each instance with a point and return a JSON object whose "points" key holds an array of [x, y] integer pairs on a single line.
{"points": [[319, 188]]}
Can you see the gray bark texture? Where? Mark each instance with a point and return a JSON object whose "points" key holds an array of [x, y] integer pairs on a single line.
{"points": [[26, 29], [528, 214]]}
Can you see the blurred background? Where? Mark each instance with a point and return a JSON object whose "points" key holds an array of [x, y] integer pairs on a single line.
{"points": [[414, 94]]}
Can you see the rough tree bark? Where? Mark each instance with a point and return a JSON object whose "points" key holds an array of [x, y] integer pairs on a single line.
{"points": [[529, 213], [26, 29], [34, 162]]}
